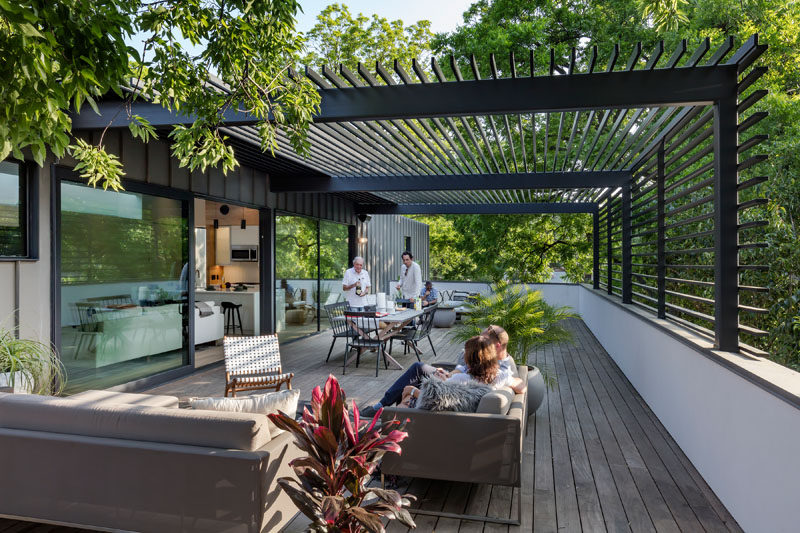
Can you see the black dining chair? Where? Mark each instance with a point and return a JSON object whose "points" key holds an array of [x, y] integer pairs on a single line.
{"points": [[339, 325], [411, 336], [370, 337]]}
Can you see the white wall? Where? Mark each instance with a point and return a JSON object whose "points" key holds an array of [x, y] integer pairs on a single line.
{"points": [[741, 438]]}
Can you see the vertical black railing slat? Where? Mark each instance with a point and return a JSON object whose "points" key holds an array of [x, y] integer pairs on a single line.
{"points": [[596, 249], [726, 237], [627, 288], [661, 255]]}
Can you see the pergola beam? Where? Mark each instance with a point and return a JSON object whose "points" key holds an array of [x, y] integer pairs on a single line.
{"points": [[541, 94], [477, 209], [451, 182]]}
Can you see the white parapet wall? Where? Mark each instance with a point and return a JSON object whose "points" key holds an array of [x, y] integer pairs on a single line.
{"points": [[742, 436]]}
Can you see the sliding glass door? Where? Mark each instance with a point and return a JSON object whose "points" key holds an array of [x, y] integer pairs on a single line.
{"points": [[124, 263], [310, 260]]}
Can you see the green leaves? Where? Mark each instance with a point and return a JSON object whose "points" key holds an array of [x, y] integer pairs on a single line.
{"points": [[95, 165], [67, 53]]}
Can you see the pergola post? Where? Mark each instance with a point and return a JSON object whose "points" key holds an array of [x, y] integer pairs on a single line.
{"points": [[266, 252], [627, 287], [661, 255], [596, 249], [609, 257], [726, 234], [352, 243]]}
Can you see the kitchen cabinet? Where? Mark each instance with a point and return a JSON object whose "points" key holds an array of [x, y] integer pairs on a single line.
{"points": [[248, 236], [223, 245]]}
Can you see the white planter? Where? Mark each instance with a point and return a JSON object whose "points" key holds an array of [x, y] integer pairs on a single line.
{"points": [[21, 384]]}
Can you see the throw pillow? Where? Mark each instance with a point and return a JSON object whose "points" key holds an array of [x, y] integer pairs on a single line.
{"points": [[437, 395], [271, 402]]}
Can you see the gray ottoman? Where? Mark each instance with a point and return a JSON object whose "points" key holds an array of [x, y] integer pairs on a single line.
{"points": [[107, 397]]}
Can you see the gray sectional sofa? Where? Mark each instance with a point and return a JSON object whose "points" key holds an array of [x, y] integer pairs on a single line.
{"points": [[137, 463]]}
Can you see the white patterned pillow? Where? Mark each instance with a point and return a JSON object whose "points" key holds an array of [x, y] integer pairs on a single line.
{"points": [[271, 402]]}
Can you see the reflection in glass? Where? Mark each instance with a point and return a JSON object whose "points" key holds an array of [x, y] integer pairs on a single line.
{"points": [[12, 209], [333, 256], [303, 289], [124, 265]]}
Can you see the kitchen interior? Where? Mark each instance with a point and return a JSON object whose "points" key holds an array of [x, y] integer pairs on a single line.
{"points": [[226, 271]]}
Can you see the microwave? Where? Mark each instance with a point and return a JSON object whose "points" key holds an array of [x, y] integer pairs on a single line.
{"points": [[244, 252]]}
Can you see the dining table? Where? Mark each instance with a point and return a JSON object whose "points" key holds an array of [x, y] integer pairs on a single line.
{"points": [[389, 325]]}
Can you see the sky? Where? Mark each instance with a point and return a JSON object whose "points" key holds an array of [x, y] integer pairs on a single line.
{"points": [[444, 15]]}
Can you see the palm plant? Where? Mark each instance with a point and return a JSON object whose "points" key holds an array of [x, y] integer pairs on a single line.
{"points": [[36, 364], [529, 321]]}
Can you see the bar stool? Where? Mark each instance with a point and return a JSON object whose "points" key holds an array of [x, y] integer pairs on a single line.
{"points": [[230, 319]]}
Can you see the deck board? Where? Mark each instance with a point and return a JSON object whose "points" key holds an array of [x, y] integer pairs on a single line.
{"points": [[596, 458]]}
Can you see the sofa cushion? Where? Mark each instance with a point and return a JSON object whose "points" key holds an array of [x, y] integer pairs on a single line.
{"points": [[125, 398], [438, 395], [271, 402], [242, 431], [496, 402]]}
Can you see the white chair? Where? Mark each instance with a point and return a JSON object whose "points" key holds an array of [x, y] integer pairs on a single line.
{"points": [[253, 363]]}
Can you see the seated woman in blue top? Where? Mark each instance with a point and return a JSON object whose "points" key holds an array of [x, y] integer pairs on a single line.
{"points": [[417, 372]]}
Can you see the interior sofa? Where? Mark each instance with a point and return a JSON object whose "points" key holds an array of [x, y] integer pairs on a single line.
{"points": [[480, 447], [135, 462]]}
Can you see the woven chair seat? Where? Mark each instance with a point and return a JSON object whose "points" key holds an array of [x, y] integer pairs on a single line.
{"points": [[253, 363]]}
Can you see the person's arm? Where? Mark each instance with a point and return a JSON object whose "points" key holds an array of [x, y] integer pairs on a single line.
{"points": [[418, 278], [517, 385]]}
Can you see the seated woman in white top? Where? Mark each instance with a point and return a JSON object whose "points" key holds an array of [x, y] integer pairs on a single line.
{"points": [[482, 366]]}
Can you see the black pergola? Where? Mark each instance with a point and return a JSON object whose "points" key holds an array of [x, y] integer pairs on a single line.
{"points": [[650, 147]]}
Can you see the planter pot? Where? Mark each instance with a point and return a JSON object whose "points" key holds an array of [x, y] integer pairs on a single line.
{"points": [[21, 384], [536, 389]]}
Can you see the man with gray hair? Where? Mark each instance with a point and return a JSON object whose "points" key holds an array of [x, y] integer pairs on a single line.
{"points": [[356, 284]]}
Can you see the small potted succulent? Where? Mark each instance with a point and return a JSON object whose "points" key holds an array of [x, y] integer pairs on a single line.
{"points": [[29, 366], [342, 453]]}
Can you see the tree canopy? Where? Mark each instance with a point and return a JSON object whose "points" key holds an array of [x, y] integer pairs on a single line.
{"points": [[60, 54]]}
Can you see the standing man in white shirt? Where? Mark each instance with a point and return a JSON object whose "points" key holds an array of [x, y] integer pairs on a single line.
{"points": [[410, 283], [356, 284]]}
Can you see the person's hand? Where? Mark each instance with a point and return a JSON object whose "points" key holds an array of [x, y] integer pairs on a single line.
{"points": [[441, 373], [408, 390], [397, 286]]}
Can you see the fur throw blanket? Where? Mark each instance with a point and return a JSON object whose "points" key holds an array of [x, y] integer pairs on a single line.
{"points": [[436, 395]]}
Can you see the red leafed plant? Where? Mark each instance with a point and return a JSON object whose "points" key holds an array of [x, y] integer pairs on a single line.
{"points": [[342, 453]]}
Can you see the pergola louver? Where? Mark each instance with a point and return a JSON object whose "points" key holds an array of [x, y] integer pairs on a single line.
{"points": [[649, 146]]}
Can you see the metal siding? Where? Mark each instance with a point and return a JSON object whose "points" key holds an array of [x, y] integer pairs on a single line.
{"points": [[199, 182], [158, 163], [259, 188], [231, 182], [246, 185], [216, 183], [134, 158], [179, 176]]}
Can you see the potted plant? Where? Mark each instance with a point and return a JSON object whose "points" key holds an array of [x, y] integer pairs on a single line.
{"points": [[29, 365], [342, 454]]}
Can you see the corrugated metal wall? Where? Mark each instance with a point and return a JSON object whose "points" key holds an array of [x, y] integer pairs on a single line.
{"points": [[386, 242]]}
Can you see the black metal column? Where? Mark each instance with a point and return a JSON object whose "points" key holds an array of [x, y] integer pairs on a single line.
{"points": [[627, 288], [726, 236], [352, 243], [596, 249], [266, 260], [609, 255], [661, 255]]}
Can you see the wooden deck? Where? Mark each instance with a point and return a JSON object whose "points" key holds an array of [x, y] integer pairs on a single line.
{"points": [[595, 457]]}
